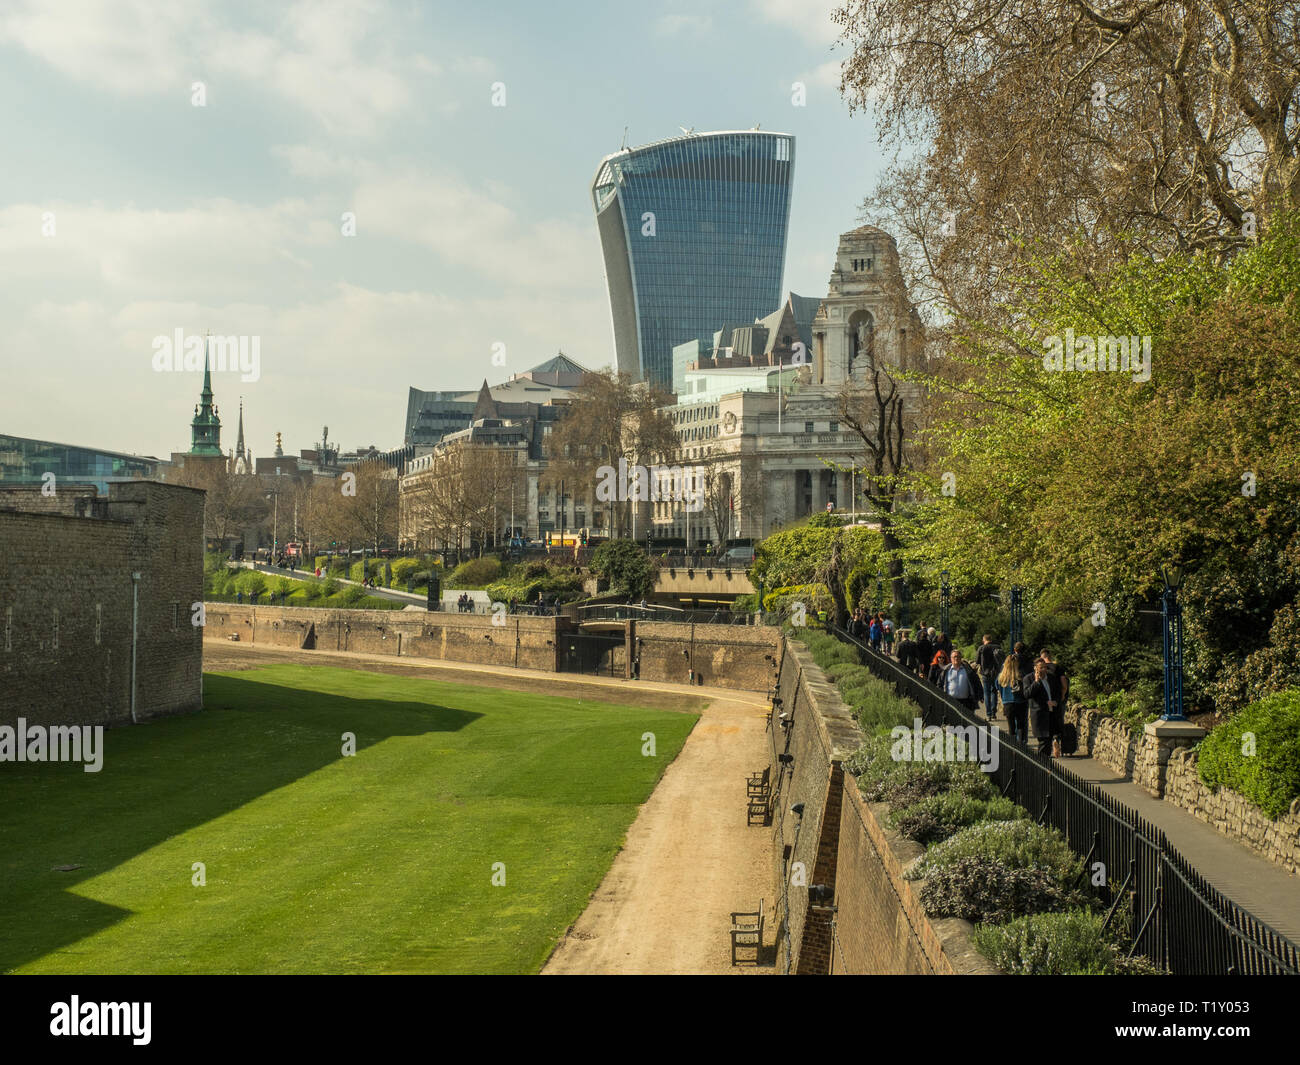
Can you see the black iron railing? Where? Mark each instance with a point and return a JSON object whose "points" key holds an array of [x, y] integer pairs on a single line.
{"points": [[1155, 899]]}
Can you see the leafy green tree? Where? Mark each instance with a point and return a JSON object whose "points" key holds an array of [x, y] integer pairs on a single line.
{"points": [[627, 568]]}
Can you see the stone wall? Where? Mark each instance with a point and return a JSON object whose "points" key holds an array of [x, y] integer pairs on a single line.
{"points": [[524, 642], [1139, 756], [725, 656], [66, 590], [842, 843], [1233, 814]]}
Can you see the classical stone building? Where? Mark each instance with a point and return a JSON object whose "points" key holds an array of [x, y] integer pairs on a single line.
{"points": [[769, 437], [97, 599]]}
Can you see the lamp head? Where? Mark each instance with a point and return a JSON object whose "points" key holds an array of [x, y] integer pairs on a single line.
{"points": [[1172, 573]]}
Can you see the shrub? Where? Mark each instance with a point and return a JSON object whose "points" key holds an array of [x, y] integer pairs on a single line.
{"points": [[1020, 844], [250, 583], [1132, 708], [940, 816], [624, 564], [353, 595], [1057, 944], [902, 783], [475, 573], [979, 888], [330, 587], [1269, 775]]}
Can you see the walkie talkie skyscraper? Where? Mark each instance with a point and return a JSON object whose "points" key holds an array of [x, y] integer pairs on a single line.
{"points": [[693, 231]]}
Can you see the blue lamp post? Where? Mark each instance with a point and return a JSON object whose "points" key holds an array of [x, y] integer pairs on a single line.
{"points": [[880, 590], [905, 615], [1017, 614], [1172, 612], [944, 593]]}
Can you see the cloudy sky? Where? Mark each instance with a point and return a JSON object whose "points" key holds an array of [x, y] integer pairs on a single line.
{"points": [[127, 213]]}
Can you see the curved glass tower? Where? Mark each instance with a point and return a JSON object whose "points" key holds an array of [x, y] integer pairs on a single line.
{"points": [[693, 231]]}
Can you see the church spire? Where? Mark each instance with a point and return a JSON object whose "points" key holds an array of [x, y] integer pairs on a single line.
{"points": [[205, 429], [239, 443]]}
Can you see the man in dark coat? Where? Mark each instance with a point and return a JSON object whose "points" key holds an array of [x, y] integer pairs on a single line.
{"points": [[924, 652]]}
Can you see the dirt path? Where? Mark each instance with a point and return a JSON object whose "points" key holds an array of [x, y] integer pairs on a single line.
{"points": [[690, 859]]}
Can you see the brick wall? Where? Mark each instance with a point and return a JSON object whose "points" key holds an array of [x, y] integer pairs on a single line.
{"points": [[66, 605], [878, 924]]}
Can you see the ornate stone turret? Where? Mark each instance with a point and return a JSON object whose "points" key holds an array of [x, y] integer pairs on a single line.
{"points": [[866, 310]]}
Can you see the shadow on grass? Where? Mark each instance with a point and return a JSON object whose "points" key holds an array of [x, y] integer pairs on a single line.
{"points": [[160, 780]]}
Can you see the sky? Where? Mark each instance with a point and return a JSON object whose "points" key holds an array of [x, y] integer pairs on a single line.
{"points": [[128, 212]]}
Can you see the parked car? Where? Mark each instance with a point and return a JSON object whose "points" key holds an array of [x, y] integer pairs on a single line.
{"points": [[740, 554]]}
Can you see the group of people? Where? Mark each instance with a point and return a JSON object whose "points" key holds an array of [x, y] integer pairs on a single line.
{"points": [[875, 629], [1030, 691], [465, 604]]}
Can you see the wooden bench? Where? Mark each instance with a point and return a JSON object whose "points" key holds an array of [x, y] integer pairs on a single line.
{"points": [[747, 932], [758, 793]]}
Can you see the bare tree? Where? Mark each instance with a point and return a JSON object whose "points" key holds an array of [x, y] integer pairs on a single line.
{"points": [[1150, 126], [612, 417]]}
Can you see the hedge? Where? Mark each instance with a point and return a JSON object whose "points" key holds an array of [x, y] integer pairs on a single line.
{"points": [[1256, 753]]}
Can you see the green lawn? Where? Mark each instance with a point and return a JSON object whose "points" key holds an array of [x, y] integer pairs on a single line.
{"points": [[319, 863]]}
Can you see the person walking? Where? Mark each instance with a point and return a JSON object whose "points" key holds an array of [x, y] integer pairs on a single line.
{"points": [[944, 642], [924, 651], [1014, 704], [1024, 659], [1057, 672], [937, 666], [875, 634], [887, 635], [1043, 696], [988, 659], [960, 683], [907, 650]]}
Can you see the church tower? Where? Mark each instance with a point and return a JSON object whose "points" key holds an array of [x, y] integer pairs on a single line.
{"points": [[205, 429]]}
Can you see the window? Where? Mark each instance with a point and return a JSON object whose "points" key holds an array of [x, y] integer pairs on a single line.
{"points": [[835, 427], [807, 427]]}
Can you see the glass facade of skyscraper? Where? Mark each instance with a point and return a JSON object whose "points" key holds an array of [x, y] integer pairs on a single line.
{"points": [[693, 231]]}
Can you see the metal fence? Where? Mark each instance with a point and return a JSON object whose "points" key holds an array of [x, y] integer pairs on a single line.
{"points": [[1155, 899]]}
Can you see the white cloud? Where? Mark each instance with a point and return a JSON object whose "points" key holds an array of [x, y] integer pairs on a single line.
{"points": [[336, 61], [810, 19]]}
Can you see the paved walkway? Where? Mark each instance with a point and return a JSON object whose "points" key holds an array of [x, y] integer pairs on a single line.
{"points": [[1269, 892], [690, 860]]}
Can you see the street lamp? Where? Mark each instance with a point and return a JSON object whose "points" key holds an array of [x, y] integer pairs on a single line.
{"points": [[275, 522], [1017, 614], [1172, 575], [880, 590], [944, 593]]}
